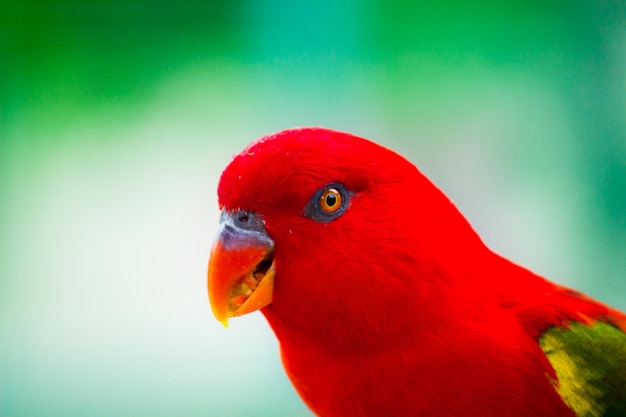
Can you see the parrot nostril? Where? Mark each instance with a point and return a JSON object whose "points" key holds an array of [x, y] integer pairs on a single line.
{"points": [[244, 220], [247, 220]]}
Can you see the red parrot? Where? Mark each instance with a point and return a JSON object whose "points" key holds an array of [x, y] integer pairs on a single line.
{"points": [[386, 302]]}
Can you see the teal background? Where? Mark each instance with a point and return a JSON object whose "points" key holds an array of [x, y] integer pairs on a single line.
{"points": [[116, 119]]}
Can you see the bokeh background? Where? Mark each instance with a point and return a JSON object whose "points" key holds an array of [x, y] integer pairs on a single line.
{"points": [[117, 117]]}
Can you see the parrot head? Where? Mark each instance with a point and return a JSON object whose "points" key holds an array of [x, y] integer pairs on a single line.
{"points": [[317, 223]]}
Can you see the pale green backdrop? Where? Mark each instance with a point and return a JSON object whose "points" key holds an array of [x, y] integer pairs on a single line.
{"points": [[117, 117]]}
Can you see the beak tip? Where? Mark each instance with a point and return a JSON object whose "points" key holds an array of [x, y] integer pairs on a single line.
{"points": [[219, 312]]}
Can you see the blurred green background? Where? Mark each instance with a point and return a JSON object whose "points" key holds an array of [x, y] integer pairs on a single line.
{"points": [[116, 119]]}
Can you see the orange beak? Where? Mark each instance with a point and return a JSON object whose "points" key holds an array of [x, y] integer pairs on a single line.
{"points": [[241, 266]]}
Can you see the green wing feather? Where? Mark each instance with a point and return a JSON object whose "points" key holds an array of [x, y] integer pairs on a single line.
{"points": [[590, 364]]}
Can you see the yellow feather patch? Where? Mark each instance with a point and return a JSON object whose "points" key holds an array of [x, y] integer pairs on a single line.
{"points": [[590, 365]]}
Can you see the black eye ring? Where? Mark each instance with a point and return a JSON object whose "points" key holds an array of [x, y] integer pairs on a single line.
{"points": [[328, 203]]}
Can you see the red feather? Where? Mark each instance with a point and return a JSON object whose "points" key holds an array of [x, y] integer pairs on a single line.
{"points": [[396, 308]]}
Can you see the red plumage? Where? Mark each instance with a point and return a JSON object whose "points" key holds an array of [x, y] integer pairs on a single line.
{"points": [[395, 308]]}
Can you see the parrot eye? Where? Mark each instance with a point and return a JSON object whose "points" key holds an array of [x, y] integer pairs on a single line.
{"points": [[328, 203], [330, 200]]}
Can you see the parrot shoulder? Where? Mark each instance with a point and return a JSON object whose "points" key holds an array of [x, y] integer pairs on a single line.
{"points": [[589, 360]]}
